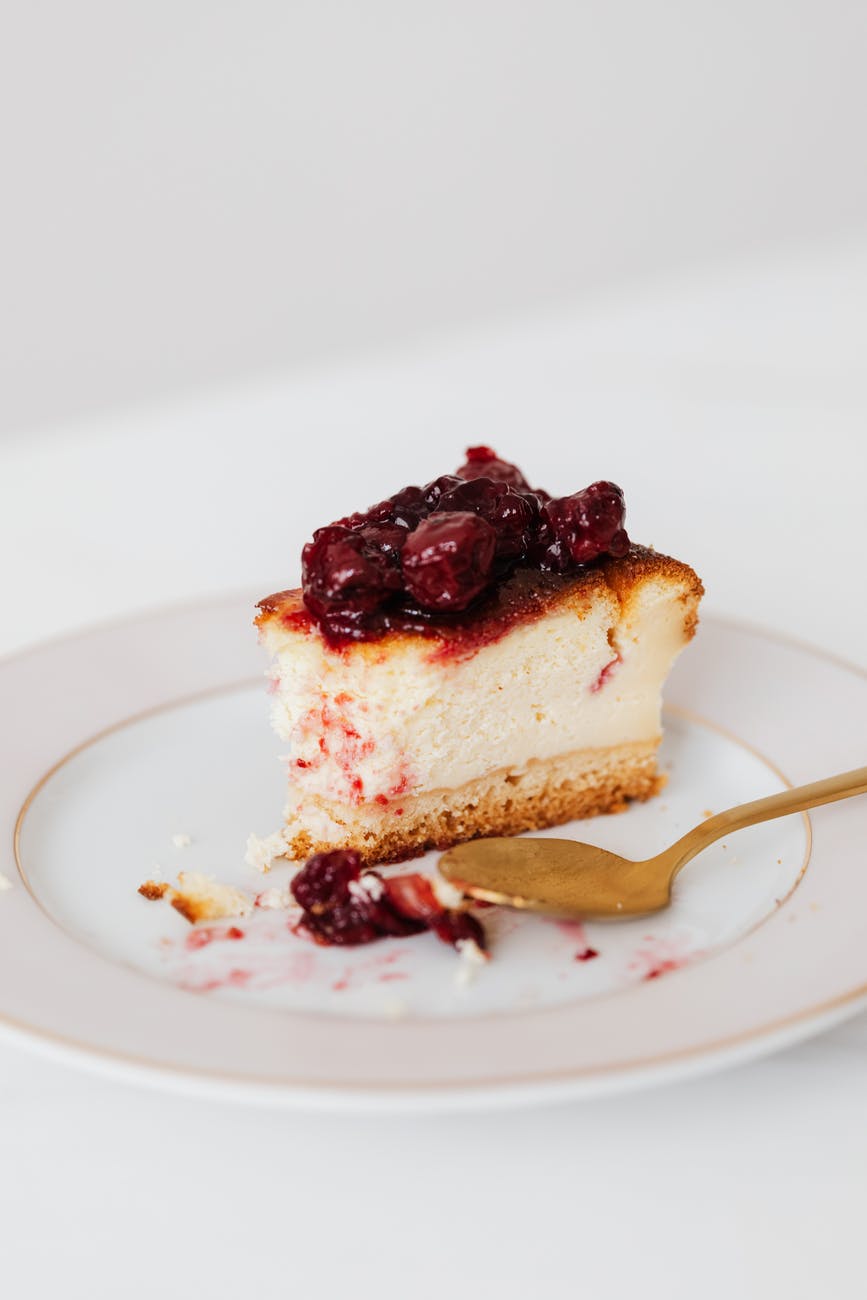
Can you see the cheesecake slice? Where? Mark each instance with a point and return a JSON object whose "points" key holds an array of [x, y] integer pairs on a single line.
{"points": [[484, 687]]}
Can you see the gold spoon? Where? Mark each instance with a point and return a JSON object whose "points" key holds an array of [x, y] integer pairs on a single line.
{"points": [[565, 878]]}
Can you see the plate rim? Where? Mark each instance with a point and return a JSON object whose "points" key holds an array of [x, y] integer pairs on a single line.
{"points": [[229, 688], [709, 1054]]}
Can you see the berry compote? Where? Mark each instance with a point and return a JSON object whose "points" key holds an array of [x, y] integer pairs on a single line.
{"points": [[345, 906], [430, 555]]}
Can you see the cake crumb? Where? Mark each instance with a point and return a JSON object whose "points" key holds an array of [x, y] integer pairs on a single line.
{"points": [[262, 851], [473, 958], [815, 907], [395, 1009], [181, 840], [5, 883], [201, 898], [368, 886], [275, 899], [153, 889], [708, 812]]}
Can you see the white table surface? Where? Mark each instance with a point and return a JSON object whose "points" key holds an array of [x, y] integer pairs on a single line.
{"points": [[733, 410]]}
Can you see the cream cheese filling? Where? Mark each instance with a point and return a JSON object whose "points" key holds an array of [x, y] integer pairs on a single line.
{"points": [[362, 726]]}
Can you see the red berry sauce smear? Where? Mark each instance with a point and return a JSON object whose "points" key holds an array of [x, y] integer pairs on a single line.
{"points": [[463, 556], [343, 905]]}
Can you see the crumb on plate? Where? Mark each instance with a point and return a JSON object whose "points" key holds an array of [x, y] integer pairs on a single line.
{"points": [[153, 889], [275, 899], [262, 851], [473, 958], [199, 897]]}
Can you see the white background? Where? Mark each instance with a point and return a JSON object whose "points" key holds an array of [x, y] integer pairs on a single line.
{"points": [[199, 188], [315, 210]]}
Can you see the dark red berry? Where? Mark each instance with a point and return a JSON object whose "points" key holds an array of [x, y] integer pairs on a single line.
{"points": [[413, 896], [388, 921], [345, 907], [447, 560], [482, 462], [388, 539], [508, 511], [345, 924], [536, 500], [405, 509], [435, 489], [338, 570], [352, 522], [453, 927], [324, 880], [580, 528], [408, 507]]}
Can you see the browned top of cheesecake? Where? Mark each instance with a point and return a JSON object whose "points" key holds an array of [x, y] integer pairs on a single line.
{"points": [[525, 596]]}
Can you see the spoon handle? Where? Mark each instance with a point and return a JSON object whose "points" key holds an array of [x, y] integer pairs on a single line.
{"points": [[798, 799]]}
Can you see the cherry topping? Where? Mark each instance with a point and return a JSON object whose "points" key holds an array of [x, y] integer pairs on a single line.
{"points": [[344, 906], [509, 513], [324, 880], [482, 462], [447, 560], [429, 552], [580, 528], [388, 539], [345, 577], [458, 927], [409, 507], [346, 924], [434, 491], [339, 569]]}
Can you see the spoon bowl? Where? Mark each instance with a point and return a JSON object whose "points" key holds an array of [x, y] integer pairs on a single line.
{"points": [[569, 879], [559, 877]]}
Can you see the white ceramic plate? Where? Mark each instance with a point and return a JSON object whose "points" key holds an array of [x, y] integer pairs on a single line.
{"points": [[118, 740]]}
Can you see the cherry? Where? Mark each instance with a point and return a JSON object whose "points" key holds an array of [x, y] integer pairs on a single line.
{"points": [[338, 569], [580, 528], [408, 507], [434, 491], [388, 539], [458, 927], [345, 924], [482, 462], [447, 560], [509, 513], [324, 880], [338, 909]]}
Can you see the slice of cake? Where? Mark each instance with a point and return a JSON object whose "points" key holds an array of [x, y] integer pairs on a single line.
{"points": [[471, 658]]}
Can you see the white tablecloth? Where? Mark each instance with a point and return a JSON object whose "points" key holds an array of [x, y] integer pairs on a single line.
{"points": [[732, 409]]}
